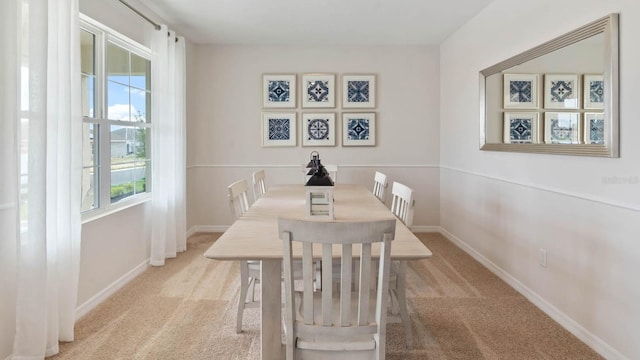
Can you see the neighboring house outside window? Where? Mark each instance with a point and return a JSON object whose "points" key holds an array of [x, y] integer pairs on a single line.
{"points": [[116, 108]]}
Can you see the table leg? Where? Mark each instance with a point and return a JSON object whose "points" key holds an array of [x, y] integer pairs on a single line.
{"points": [[270, 310]]}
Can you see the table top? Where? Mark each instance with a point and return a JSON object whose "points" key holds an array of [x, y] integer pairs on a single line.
{"points": [[254, 236]]}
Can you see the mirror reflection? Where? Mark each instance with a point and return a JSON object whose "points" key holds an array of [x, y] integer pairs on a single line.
{"points": [[560, 97]]}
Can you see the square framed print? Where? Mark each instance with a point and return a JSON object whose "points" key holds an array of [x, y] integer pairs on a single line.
{"points": [[562, 128], [593, 91], [318, 129], [593, 128], [358, 129], [279, 129], [279, 91], [318, 90], [561, 91], [520, 128], [521, 91], [358, 91]]}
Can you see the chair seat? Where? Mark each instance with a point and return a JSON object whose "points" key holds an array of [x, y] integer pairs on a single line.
{"points": [[336, 337]]}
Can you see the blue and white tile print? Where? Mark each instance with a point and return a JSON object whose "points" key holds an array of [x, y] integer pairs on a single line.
{"points": [[279, 91], [358, 91], [520, 91], [596, 91], [358, 129], [596, 131], [279, 129], [318, 129], [562, 90], [520, 130], [317, 91]]}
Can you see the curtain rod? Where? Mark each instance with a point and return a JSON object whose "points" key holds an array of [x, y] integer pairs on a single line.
{"points": [[155, 26]]}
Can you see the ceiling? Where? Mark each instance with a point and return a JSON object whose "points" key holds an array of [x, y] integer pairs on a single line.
{"points": [[316, 22]]}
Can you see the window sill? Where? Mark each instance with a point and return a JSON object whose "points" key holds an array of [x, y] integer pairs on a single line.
{"points": [[125, 204]]}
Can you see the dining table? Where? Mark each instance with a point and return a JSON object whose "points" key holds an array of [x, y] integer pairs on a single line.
{"points": [[254, 236]]}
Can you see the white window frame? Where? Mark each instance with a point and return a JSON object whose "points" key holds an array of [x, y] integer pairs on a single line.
{"points": [[104, 35]]}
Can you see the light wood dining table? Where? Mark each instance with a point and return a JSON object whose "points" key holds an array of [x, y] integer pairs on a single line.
{"points": [[254, 236]]}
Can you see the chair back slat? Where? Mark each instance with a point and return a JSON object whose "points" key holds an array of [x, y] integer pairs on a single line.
{"points": [[238, 200], [402, 203], [327, 288], [259, 186], [336, 318], [380, 186], [345, 286]]}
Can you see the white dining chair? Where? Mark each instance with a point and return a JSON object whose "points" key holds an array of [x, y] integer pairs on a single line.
{"points": [[402, 204], [322, 324], [249, 270], [380, 186], [259, 186]]}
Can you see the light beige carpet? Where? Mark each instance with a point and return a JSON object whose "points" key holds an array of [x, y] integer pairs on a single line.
{"points": [[186, 310]]}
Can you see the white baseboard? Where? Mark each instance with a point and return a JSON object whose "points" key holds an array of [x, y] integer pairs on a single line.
{"points": [[426, 229], [206, 229], [565, 321], [90, 304]]}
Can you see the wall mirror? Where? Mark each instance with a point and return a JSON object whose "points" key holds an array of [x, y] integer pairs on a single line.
{"points": [[558, 98]]}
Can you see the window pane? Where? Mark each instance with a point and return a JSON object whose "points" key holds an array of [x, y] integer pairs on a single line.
{"points": [[90, 197], [87, 52], [88, 95], [89, 144], [121, 181], [117, 64], [119, 107], [140, 72], [142, 138], [140, 102]]}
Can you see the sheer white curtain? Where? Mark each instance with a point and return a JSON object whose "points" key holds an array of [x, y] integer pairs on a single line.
{"points": [[50, 136], [168, 228]]}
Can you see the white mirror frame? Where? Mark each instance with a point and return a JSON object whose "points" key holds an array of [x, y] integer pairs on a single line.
{"points": [[609, 27]]}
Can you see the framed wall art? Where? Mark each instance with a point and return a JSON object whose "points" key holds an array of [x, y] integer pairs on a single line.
{"points": [[318, 129], [279, 91], [318, 90], [521, 91], [521, 128], [561, 91], [593, 91], [593, 128], [358, 91], [278, 129], [562, 128], [358, 129]]}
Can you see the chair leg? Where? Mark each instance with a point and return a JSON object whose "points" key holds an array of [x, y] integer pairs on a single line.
{"points": [[402, 303], [244, 284], [252, 288]]}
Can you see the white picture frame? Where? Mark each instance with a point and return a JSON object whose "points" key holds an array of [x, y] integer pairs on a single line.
{"points": [[593, 91], [359, 91], [318, 90], [562, 91], [318, 129], [593, 128], [521, 91], [279, 129], [562, 127], [279, 90], [358, 129], [521, 128]]}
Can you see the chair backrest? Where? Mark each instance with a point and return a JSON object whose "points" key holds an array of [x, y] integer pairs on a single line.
{"points": [[341, 316], [380, 186], [333, 171], [402, 203], [259, 187], [238, 200]]}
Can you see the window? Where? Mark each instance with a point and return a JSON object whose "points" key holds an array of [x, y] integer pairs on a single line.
{"points": [[116, 104]]}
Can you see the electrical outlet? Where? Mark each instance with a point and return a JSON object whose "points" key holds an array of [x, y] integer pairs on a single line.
{"points": [[542, 257]]}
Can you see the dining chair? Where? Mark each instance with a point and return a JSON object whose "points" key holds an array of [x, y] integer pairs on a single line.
{"points": [[249, 270], [259, 187], [322, 324], [380, 186], [333, 172], [402, 204]]}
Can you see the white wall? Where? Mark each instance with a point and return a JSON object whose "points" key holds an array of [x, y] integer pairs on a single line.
{"points": [[504, 207], [224, 122]]}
